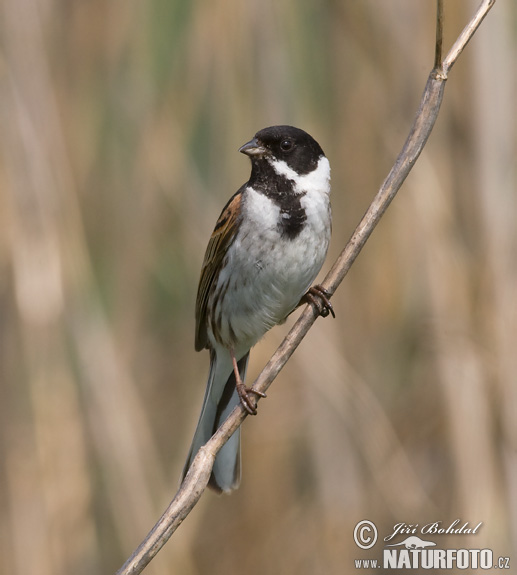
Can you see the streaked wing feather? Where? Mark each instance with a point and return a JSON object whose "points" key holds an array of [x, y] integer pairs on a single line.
{"points": [[222, 237]]}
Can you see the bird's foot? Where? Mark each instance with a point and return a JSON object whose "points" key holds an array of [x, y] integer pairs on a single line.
{"points": [[318, 297], [245, 395]]}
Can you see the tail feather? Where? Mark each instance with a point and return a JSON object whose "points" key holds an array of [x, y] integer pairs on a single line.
{"points": [[220, 398]]}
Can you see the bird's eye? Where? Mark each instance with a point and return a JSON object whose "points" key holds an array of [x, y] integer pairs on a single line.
{"points": [[286, 145]]}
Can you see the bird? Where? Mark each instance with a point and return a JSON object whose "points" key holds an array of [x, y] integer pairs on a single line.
{"points": [[267, 248]]}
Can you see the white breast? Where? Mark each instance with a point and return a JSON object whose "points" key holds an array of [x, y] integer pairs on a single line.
{"points": [[271, 273]]}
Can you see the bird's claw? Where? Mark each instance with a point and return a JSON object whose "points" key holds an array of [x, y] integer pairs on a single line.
{"points": [[318, 297], [245, 394]]}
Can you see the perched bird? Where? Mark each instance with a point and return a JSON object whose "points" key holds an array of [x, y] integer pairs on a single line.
{"points": [[267, 247]]}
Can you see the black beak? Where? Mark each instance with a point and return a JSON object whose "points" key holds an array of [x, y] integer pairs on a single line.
{"points": [[252, 148]]}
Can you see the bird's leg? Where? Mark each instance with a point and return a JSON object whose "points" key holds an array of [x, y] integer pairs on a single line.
{"points": [[318, 297], [243, 391]]}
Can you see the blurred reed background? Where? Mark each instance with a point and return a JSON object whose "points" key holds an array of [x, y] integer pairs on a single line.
{"points": [[120, 128]]}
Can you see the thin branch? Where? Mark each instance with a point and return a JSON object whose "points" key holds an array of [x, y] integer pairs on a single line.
{"points": [[196, 479], [439, 34], [466, 35]]}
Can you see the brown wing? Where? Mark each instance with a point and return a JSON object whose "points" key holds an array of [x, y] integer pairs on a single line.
{"points": [[222, 236]]}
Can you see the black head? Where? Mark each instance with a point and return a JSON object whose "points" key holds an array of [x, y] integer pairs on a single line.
{"points": [[296, 148]]}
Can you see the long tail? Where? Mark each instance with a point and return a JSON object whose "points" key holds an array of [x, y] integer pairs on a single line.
{"points": [[220, 399]]}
